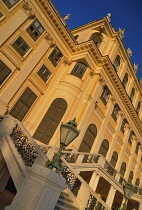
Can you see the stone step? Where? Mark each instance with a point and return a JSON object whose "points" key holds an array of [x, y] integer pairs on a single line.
{"points": [[65, 203], [59, 207]]}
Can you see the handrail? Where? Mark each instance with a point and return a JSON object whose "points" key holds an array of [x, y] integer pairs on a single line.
{"points": [[22, 140], [75, 181], [73, 156]]}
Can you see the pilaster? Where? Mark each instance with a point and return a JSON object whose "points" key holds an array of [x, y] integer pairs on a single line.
{"points": [[129, 166], [115, 136], [100, 135], [121, 155]]}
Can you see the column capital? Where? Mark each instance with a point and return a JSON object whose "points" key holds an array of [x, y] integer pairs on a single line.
{"points": [[128, 127], [102, 80], [113, 99], [67, 61], [140, 147], [135, 139], [122, 114]]}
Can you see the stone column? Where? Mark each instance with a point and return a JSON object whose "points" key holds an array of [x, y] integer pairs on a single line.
{"points": [[94, 181], [123, 201], [41, 190], [100, 135], [110, 196]]}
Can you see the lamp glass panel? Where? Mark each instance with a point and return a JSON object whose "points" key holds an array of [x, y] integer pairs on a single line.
{"points": [[67, 135], [129, 191]]}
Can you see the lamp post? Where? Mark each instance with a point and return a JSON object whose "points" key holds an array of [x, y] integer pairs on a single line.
{"points": [[68, 132], [129, 190]]}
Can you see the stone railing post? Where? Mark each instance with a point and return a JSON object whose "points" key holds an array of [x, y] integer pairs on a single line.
{"points": [[101, 161], [41, 190]]}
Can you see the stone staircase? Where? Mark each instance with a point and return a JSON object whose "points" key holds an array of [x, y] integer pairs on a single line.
{"points": [[66, 201], [24, 157]]}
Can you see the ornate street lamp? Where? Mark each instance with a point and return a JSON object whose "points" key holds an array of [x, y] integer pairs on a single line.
{"points": [[68, 132], [129, 190]]}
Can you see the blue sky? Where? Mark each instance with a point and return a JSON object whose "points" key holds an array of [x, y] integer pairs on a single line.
{"points": [[125, 14]]}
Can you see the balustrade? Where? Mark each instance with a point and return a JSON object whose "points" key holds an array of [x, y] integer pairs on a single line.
{"points": [[78, 186], [24, 147], [108, 168]]}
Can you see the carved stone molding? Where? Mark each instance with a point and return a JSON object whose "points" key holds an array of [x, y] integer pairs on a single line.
{"points": [[87, 99], [136, 139], [92, 73], [49, 38], [28, 9], [129, 52], [129, 127], [121, 114], [135, 67], [140, 147], [67, 61], [101, 80], [121, 32], [108, 17], [113, 100]]}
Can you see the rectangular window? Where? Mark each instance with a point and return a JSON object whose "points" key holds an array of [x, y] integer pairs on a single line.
{"points": [[115, 112], [123, 126], [23, 105], [21, 46], [4, 72], [44, 73], [105, 95], [35, 30], [10, 3], [79, 70], [55, 56]]}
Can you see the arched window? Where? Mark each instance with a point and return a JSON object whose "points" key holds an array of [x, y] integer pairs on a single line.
{"points": [[131, 137], [79, 70], [123, 126], [104, 148], [97, 38], [138, 107], [125, 80], [105, 95], [130, 177], [132, 94], [123, 168], [117, 63], [115, 112], [137, 182], [88, 138], [114, 158], [50, 121]]}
